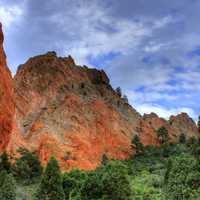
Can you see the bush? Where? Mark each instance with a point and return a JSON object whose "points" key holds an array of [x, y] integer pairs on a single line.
{"points": [[147, 186], [182, 178], [7, 187]]}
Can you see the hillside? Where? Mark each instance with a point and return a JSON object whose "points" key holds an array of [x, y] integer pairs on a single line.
{"points": [[55, 107]]}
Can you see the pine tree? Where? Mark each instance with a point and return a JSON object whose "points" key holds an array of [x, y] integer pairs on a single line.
{"points": [[104, 159], [119, 91], [162, 133], [27, 168], [182, 138], [5, 163], [136, 143], [7, 187], [198, 124], [51, 184], [125, 98]]}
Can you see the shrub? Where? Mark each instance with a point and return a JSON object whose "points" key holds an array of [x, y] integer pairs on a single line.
{"points": [[7, 187], [182, 178]]}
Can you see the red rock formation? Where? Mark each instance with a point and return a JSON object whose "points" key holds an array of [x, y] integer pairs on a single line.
{"points": [[6, 98], [72, 112]]}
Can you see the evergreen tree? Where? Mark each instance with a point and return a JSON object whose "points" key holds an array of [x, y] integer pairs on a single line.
{"points": [[104, 159], [27, 167], [162, 133], [198, 124], [192, 141], [7, 187], [51, 184], [5, 163], [119, 91], [182, 139], [2, 177], [107, 183], [139, 147], [73, 182], [125, 98]]}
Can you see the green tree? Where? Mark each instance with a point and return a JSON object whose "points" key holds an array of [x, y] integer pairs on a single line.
{"points": [[7, 187], [73, 182], [119, 91], [27, 168], [5, 163], [51, 187], [191, 141], [109, 182], [182, 139], [137, 144], [183, 178], [198, 124], [104, 159], [162, 133]]}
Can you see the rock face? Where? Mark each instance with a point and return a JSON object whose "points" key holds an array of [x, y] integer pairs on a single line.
{"points": [[6, 98], [73, 113]]}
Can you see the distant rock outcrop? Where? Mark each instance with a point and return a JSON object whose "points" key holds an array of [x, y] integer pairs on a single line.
{"points": [[73, 113]]}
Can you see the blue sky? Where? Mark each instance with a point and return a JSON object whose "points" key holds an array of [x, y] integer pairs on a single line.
{"points": [[149, 48]]}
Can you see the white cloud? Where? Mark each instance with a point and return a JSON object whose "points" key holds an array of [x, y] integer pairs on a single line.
{"points": [[93, 40], [8, 15], [160, 23]]}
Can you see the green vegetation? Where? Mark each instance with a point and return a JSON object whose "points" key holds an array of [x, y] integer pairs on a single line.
{"points": [[27, 169], [4, 162], [110, 181], [168, 172], [7, 186], [51, 184], [162, 133], [139, 147]]}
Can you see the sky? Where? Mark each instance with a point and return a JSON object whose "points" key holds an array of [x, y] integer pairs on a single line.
{"points": [[150, 48]]}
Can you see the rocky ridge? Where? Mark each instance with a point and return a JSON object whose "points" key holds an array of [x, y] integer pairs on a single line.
{"points": [[73, 113]]}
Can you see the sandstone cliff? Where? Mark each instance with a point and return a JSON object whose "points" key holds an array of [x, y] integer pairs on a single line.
{"points": [[73, 113], [6, 98]]}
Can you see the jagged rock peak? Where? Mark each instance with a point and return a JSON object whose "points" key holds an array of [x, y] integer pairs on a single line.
{"points": [[50, 64]]}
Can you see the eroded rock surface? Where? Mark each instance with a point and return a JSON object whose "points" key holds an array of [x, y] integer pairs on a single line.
{"points": [[6, 98]]}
